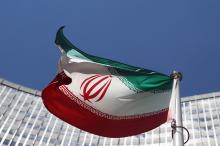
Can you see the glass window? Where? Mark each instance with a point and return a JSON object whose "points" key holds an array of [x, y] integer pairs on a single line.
{"points": [[6, 142]]}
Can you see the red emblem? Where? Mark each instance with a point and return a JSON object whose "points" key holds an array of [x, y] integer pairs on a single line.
{"points": [[89, 90]]}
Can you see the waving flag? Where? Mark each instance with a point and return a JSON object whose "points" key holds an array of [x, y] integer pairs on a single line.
{"points": [[105, 97]]}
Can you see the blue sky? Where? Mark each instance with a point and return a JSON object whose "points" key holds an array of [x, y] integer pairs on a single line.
{"points": [[155, 34]]}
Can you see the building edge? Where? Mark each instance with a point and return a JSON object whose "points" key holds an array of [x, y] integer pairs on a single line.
{"points": [[20, 87]]}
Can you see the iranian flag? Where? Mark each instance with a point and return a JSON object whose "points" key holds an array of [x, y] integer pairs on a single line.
{"points": [[106, 97]]}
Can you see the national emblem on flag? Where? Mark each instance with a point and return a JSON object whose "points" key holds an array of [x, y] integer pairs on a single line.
{"points": [[106, 97]]}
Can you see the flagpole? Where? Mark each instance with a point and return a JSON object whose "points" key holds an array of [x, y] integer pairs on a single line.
{"points": [[178, 132]]}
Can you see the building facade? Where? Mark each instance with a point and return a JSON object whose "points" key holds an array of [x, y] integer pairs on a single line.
{"points": [[25, 121]]}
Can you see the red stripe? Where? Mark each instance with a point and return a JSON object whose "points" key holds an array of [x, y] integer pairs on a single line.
{"points": [[71, 112]]}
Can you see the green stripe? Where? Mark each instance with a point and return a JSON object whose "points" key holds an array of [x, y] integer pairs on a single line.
{"points": [[143, 79]]}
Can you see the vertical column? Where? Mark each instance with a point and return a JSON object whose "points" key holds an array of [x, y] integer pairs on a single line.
{"points": [[51, 133], [10, 113], [32, 127], [67, 128], [213, 125], [71, 137], [84, 139], [206, 126], [145, 138], [90, 143], [132, 137], [25, 127], [191, 119], [125, 141], [111, 141], [6, 96], [45, 131], [15, 117], [104, 141]]}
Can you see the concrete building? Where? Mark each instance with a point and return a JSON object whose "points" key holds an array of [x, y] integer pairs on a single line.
{"points": [[25, 121]]}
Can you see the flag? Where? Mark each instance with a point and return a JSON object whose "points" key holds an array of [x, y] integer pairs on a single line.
{"points": [[106, 97]]}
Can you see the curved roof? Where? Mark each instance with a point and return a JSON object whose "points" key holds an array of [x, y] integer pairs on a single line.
{"points": [[20, 87]]}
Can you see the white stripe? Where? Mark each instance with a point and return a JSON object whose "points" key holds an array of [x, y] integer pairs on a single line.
{"points": [[108, 116], [118, 94]]}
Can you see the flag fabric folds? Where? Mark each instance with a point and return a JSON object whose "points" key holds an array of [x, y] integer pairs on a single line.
{"points": [[106, 97]]}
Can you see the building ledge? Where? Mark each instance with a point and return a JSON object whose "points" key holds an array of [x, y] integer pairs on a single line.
{"points": [[20, 87]]}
